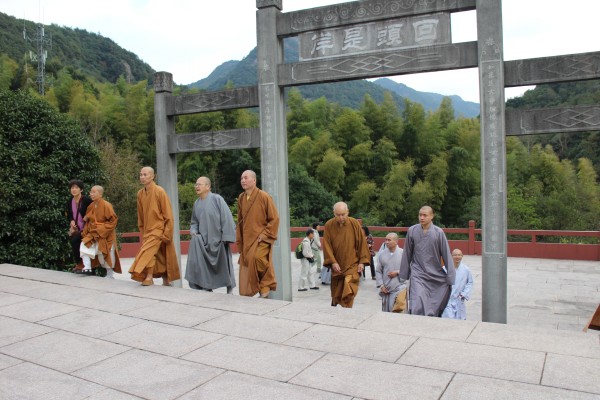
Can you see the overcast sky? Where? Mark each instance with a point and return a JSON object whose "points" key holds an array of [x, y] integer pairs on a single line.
{"points": [[190, 38]]}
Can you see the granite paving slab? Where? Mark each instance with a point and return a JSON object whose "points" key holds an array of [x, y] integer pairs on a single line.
{"points": [[115, 303], [49, 350], [321, 314], [164, 339], [28, 381], [267, 360], [576, 373], [9, 298], [241, 304], [14, 330], [475, 387], [111, 394], [416, 325], [176, 314], [353, 342], [61, 293], [148, 375], [7, 361], [232, 385], [36, 310], [14, 285], [373, 379], [517, 365], [529, 338], [91, 323], [256, 327]]}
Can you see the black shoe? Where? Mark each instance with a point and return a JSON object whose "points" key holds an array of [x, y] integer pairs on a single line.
{"points": [[302, 290], [373, 277], [314, 288], [84, 272]]}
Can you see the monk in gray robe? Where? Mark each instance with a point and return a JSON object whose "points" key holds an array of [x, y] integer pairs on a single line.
{"points": [[430, 281], [209, 263], [387, 271]]}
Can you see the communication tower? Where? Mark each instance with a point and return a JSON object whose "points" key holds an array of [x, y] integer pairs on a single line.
{"points": [[41, 44]]}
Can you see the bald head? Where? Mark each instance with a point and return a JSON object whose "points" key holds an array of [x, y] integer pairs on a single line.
{"points": [[391, 241], [248, 181], [146, 175], [426, 216], [96, 192], [340, 212]]}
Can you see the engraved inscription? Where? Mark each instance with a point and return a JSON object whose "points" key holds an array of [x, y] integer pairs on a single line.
{"points": [[493, 146], [393, 34]]}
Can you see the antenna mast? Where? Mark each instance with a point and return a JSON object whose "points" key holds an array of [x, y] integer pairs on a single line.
{"points": [[41, 42]]}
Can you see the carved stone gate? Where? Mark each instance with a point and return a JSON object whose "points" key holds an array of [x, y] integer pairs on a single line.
{"points": [[368, 39]]}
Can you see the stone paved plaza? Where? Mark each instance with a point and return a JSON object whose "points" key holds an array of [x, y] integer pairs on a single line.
{"points": [[65, 336]]}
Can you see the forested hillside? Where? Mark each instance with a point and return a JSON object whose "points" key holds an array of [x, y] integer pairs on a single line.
{"points": [[384, 159], [85, 53]]}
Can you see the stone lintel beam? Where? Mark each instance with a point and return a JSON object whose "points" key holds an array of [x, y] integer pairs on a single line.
{"points": [[356, 12], [246, 138], [372, 65], [565, 68], [552, 120], [243, 97]]}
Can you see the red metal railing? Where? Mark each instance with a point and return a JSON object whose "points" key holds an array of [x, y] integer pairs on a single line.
{"points": [[529, 247]]}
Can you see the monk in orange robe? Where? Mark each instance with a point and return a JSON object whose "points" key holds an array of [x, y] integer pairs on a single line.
{"points": [[256, 232], [346, 253], [157, 256], [101, 223]]}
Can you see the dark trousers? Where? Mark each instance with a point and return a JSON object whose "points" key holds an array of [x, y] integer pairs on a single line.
{"points": [[372, 269], [75, 243]]}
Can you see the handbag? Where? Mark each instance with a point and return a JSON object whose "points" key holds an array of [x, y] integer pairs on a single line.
{"points": [[91, 251], [73, 230], [400, 302]]}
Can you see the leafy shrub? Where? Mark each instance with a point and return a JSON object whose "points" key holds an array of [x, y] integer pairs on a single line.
{"points": [[40, 151]]}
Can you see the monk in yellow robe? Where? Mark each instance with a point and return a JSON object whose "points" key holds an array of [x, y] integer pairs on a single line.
{"points": [[100, 229], [346, 252], [157, 256], [256, 232]]}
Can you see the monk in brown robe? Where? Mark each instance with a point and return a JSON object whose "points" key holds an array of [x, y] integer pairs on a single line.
{"points": [[157, 257], [100, 228], [256, 232], [346, 252]]}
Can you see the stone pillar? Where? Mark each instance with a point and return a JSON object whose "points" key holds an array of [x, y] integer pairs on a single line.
{"points": [[493, 160], [166, 164], [273, 136]]}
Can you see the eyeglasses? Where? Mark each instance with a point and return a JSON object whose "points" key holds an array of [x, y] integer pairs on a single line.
{"points": [[200, 184]]}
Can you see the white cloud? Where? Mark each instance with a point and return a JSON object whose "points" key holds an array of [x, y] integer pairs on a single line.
{"points": [[190, 38]]}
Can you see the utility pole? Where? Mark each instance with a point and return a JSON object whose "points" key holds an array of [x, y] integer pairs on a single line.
{"points": [[41, 43]]}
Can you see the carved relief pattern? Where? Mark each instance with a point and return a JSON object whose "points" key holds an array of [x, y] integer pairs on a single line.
{"points": [[356, 66], [205, 141], [230, 98], [349, 11], [573, 65], [575, 118]]}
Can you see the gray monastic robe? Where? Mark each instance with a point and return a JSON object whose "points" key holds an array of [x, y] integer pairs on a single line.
{"points": [[386, 263], [209, 263], [430, 284]]}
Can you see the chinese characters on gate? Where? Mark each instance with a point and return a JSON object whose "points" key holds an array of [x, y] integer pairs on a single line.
{"points": [[393, 34]]}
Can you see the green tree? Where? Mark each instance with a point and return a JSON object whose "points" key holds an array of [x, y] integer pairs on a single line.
{"points": [[8, 71], [330, 171], [40, 150], [309, 200], [393, 195], [121, 168]]}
